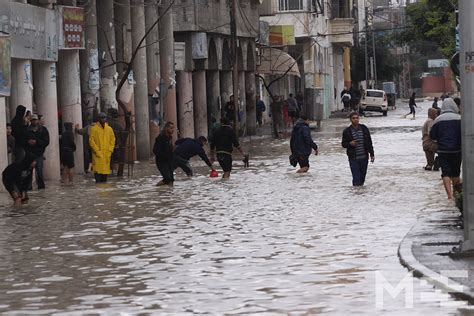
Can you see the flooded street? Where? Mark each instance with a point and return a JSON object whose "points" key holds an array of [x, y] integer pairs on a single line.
{"points": [[266, 241]]}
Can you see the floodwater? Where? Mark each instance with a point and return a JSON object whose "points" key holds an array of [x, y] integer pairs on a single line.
{"points": [[266, 241]]}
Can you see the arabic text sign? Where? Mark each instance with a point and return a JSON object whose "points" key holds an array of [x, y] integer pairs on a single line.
{"points": [[5, 66], [72, 27], [33, 31]]}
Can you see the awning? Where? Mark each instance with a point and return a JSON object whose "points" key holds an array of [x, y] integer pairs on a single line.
{"points": [[277, 62]]}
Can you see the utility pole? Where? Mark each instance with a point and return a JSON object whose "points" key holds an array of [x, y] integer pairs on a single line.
{"points": [[167, 65], [370, 64], [466, 11], [235, 70], [374, 58], [366, 49]]}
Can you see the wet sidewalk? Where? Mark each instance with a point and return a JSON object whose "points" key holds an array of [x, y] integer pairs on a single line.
{"points": [[430, 251]]}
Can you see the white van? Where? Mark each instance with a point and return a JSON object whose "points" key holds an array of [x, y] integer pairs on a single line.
{"points": [[374, 101]]}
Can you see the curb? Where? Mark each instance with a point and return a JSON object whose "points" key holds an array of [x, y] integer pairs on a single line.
{"points": [[408, 260]]}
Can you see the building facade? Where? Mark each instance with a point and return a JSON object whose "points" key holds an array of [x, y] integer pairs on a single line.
{"points": [[323, 32], [152, 61]]}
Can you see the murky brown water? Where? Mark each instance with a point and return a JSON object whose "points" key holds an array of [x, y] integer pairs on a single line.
{"points": [[266, 241]]}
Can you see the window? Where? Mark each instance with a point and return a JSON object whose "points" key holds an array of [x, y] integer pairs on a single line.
{"points": [[374, 94], [290, 5]]}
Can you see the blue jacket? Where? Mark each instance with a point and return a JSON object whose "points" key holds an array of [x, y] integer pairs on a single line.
{"points": [[446, 130], [301, 142], [188, 147]]}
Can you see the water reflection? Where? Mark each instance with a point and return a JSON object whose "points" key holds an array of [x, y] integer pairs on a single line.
{"points": [[265, 241]]}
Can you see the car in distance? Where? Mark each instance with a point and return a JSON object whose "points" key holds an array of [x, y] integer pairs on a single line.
{"points": [[374, 101]]}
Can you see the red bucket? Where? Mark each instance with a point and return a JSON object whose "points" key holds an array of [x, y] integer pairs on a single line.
{"points": [[214, 174]]}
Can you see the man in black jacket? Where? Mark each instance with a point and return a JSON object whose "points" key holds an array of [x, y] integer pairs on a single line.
{"points": [[163, 150], [223, 141], [356, 139], [186, 148], [37, 141], [301, 144]]}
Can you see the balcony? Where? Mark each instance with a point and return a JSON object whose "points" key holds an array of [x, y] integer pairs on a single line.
{"points": [[341, 31], [267, 8], [341, 23]]}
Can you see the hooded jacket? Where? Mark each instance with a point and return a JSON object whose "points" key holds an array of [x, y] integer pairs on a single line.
{"points": [[19, 127], [301, 141], [446, 130], [425, 131], [102, 142], [18, 175]]}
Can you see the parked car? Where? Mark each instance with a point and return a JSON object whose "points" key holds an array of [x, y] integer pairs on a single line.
{"points": [[374, 101]]}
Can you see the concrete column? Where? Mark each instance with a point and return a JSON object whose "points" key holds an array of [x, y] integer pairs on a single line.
{"points": [[186, 104], [70, 98], [141, 87], [242, 103], [167, 63], [3, 135], [123, 40], [106, 39], [347, 67], [22, 85], [153, 65], [226, 87], [466, 9], [213, 94], [200, 103], [250, 92], [46, 100], [89, 58]]}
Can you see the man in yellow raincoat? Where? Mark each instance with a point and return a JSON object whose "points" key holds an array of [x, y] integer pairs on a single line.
{"points": [[102, 143]]}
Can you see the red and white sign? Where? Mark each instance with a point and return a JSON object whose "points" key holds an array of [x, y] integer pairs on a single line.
{"points": [[72, 32]]}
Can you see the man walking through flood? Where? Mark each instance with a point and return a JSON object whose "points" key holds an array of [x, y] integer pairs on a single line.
{"points": [[102, 143], [301, 144], [446, 131], [358, 142], [163, 150], [222, 144]]}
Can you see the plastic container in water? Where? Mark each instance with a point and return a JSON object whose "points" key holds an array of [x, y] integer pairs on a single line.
{"points": [[214, 174]]}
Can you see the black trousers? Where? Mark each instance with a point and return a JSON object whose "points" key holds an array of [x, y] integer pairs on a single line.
{"points": [[39, 172], [166, 169], [183, 164], [100, 178]]}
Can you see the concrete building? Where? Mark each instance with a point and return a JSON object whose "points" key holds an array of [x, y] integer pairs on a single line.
{"points": [[70, 59], [207, 68], [40, 69], [323, 35]]}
